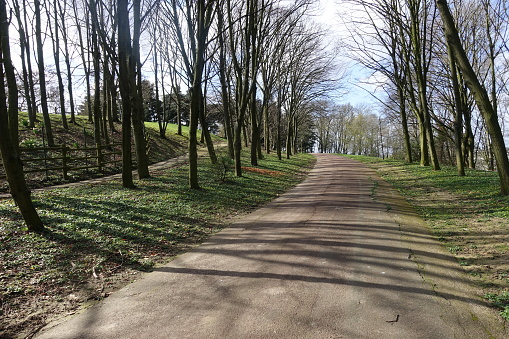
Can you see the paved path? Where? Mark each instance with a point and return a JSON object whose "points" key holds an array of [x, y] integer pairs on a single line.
{"points": [[325, 260]]}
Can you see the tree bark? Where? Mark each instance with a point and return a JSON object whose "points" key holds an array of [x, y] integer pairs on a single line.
{"points": [[458, 115], [56, 55], [26, 83], [137, 97], [255, 130], [124, 51], [42, 78], [225, 94], [67, 62], [97, 80]]}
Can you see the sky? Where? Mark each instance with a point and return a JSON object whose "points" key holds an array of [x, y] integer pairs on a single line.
{"points": [[357, 92]]}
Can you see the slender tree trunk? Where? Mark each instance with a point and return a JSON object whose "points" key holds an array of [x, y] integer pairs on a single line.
{"points": [[83, 53], [255, 132], [26, 84], [458, 115], [67, 63], [137, 98], [176, 90], [278, 127], [56, 55], [124, 52], [160, 117], [30, 73], [266, 129], [289, 136], [42, 78], [196, 93], [468, 142], [404, 125], [97, 81], [206, 133], [224, 84]]}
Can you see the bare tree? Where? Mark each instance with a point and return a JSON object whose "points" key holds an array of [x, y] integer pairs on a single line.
{"points": [[55, 40], [126, 68], [9, 118], [42, 77]]}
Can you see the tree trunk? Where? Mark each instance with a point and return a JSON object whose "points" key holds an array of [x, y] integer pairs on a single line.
{"points": [[480, 94], [278, 126], [206, 132], [42, 78], [97, 83], [255, 132], [56, 55], [8, 146], [124, 51], [23, 47], [458, 115], [289, 137], [468, 139], [224, 85], [196, 93], [30, 73], [67, 63], [404, 125], [137, 98], [266, 130]]}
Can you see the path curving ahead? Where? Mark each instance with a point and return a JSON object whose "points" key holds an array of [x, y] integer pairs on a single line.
{"points": [[324, 260]]}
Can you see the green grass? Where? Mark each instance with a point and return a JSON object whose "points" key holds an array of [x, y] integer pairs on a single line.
{"points": [[102, 229], [468, 214]]}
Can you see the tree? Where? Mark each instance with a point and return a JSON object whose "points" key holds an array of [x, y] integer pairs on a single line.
{"points": [[126, 67], [28, 84], [55, 39], [8, 145], [42, 78], [198, 19]]}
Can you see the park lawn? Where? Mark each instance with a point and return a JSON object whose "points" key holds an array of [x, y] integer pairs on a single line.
{"points": [[100, 237], [467, 214]]}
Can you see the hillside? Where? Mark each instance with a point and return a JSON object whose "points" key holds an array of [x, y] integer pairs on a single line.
{"points": [[81, 136]]}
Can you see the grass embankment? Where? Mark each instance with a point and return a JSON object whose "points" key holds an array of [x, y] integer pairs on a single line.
{"points": [[466, 213], [81, 135], [99, 237]]}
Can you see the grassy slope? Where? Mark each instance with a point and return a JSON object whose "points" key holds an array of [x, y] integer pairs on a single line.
{"points": [[100, 237], [466, 213], [81, 135]]}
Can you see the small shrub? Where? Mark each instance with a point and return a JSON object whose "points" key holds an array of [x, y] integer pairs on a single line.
{"points": [[224, 166], [29, 143]]}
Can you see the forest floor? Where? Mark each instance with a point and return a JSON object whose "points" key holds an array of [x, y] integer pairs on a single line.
{"points": [[467, 214], [100, 237]]}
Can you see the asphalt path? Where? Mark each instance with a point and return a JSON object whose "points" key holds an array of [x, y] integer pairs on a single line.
{"points": [[339, 256]]}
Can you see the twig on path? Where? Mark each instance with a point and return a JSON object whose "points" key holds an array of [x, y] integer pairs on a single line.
{"points": [[393, 321]]}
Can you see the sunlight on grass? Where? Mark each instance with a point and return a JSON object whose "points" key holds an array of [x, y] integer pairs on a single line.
{"points": [[102, 229]]}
